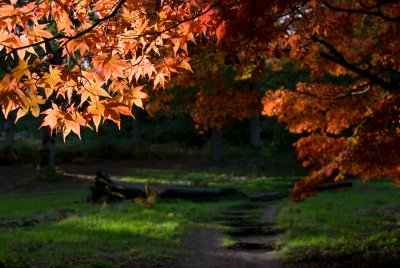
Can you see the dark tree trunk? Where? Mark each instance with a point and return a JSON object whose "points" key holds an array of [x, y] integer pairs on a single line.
{"points": [[47, 155], [255, 131], [216, 145], [136, 129], [9, 131], [334, 185], [136, 135], [104, 189], [9, 155]]}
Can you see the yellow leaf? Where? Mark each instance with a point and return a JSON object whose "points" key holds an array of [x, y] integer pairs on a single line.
{"points": [[21, 112], [96, 121], [138, 103], [185, 65], [52, 78], [21, 70]]}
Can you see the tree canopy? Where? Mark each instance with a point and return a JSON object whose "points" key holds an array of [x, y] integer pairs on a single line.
{"points": [[81, 62]]}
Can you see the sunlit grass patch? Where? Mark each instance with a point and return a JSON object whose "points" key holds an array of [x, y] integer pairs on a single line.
{"points": [[250, 182], [87, 235], [363, 221]]}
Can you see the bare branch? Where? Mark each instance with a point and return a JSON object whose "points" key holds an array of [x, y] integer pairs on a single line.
{"points": [[338, 58], [377, 13], [359, 90]]}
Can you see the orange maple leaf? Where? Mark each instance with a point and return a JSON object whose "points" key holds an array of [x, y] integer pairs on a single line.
{"points": [[113, 67]]}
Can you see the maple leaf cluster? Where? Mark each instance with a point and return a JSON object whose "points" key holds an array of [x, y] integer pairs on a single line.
{"points": [[81, 62], [213, 109], [222, 95], [85, 62], [350, 128]]}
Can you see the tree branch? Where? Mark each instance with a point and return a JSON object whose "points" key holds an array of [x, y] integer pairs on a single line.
{"points": [[363, 12], [338, 58], [63, 36], [362, 89]]}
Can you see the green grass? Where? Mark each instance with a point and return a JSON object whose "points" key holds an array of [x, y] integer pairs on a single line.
{"points": [[19, 204], [250, 183], [60, 229], [361, 223], [227, 241], [51, 231]]}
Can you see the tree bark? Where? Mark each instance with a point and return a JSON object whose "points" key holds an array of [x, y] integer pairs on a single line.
{"points": [[255, 131], [104, 189], [8, 154], [9, 132], [216, 145], [334, 185], [136, 130], [47, 155]]}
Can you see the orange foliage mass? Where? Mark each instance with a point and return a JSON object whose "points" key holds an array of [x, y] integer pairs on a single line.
{"points": [[81, 62]]}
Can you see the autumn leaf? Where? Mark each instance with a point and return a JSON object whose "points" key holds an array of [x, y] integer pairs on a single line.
{"points": [[32, 104], [21, 70], [39, 32], [96, 109], [53, 117], [220, 31], [138, 95], [51, 79], [113, 67], [94, 91], [185, 65], [159, 79], [119, 108]]}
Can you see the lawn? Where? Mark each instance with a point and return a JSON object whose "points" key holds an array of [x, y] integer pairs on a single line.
{"points": [[53, 228], [337, 229], [248, 183], [57, 227]]}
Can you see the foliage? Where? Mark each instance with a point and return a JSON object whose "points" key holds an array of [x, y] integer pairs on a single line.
{"points": [[358, 226], [218, 94], [81, 63], [90, 61], [350, 124]]}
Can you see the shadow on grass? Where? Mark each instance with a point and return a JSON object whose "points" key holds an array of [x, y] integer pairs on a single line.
{"points": [[72, 246], [357, 227], [100, 239]]}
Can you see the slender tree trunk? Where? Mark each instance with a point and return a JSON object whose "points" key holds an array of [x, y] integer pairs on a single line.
{"points": [[8, 154], [47, 155], [136, 131], [255, 131], [136, 135], [9, 132], [216, 145]]}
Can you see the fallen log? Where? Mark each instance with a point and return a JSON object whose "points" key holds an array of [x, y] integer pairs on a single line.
{"points": [[104, 189], [269, 196], [334, 185]]}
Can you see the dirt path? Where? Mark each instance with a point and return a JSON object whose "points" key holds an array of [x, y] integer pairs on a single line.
{"points": [[254, 241]]}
